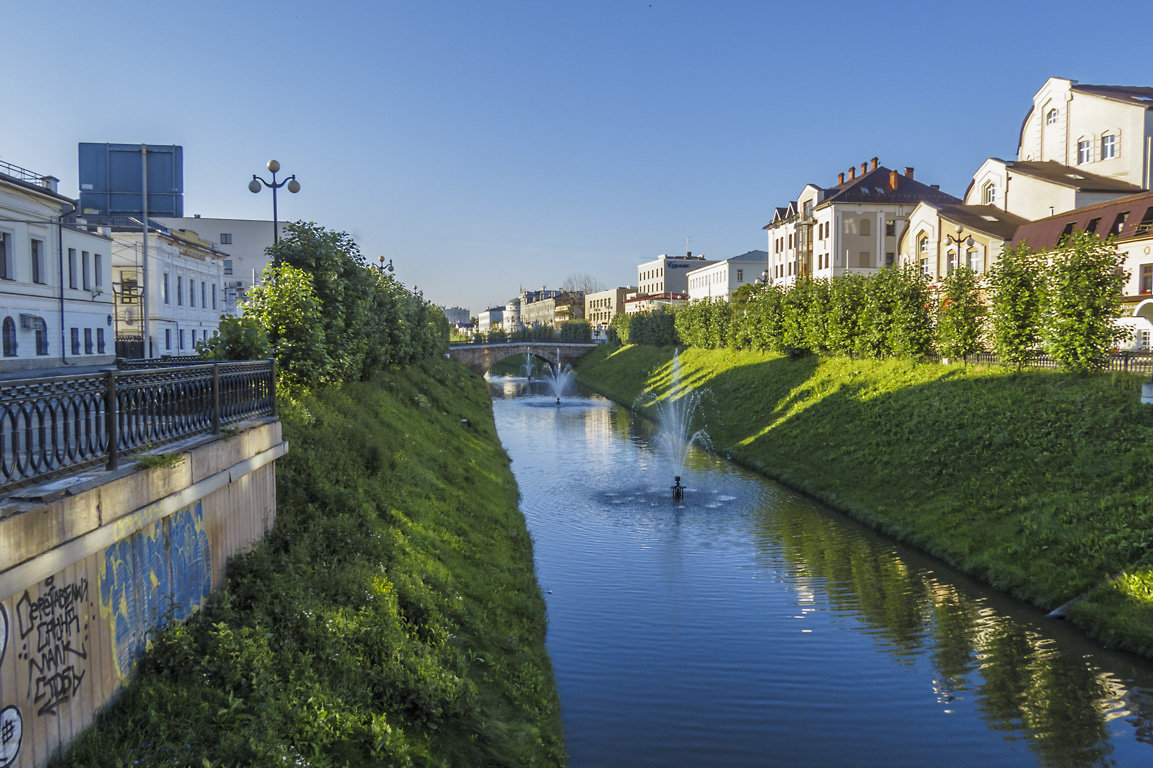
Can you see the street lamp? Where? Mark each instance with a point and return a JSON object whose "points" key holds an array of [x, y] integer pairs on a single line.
{"points": [[958, 241], [384, 267], [254, 186]]}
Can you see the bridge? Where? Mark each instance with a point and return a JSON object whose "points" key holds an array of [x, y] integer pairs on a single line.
{"points": [[481, 357]]}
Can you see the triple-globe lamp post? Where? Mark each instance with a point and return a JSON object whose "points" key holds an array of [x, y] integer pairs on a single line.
{"points": [[259, 183]]}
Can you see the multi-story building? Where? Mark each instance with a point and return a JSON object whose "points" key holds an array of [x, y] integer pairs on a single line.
{"points": [[719, 279], [601, 307], [182, 288], [244, 240], [456, 315], [55, 278], [941, 237], [490, 319], [854, 226], [666, 278], [1036, 189], [550, 308], [1129, 221]]}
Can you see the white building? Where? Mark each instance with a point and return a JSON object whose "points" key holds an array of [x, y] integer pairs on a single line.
{"points": [[184, 290], [667, 277], [854, 226], [719, 279], [456, 315], [490, 319], [244, 240], [55, 278]]}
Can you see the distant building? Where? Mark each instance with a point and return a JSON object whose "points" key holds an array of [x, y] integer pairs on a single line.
{"points": [[601, 307], [852, 227], [457, 315], [244, 240], [668, 276], [56, 306], [719, 279], [490, 319]]}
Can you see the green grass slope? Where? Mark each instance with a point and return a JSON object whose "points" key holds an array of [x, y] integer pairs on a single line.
{"points": [[1039, 483], [392, 618]]}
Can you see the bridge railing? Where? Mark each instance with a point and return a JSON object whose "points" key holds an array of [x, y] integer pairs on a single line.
{"points": [[57, 424]]}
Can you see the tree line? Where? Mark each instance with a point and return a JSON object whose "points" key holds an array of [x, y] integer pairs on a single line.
{"points": [[1062, 302], [326, 315]]}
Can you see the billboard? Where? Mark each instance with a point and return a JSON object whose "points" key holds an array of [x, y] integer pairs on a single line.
{"points": [[112, 179]]}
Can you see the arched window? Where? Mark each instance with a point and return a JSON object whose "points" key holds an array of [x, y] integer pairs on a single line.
{"points": [[9, 337], [990, 193], [1051, 117], [922, 243]]}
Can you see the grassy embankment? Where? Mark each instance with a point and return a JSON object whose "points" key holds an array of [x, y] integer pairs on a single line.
{"points": [[1039, 483], [392, 618]]}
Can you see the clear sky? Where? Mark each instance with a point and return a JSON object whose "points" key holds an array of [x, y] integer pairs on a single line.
{"points": [[485, 145]]}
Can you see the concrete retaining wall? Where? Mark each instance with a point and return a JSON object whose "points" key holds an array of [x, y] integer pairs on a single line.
{"points": [[91, 563]]}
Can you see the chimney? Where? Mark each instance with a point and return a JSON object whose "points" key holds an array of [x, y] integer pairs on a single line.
{"points": [[893, 180], [688, 254], [935, 187], [852, 172], [908, 172], [864, 168], [840, 178], [873, 164], [49, 183]]}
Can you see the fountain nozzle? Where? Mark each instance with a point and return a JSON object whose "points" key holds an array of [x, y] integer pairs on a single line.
{"points": [[678, 489]]}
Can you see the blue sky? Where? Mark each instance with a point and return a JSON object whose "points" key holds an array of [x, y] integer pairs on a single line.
{"points": [[487, 145]]}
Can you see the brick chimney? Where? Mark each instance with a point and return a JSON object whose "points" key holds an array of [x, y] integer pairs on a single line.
{"points": [[840, 178], [864, 168], [852, 172], [893, 180], [873, 164], [908, 172]]}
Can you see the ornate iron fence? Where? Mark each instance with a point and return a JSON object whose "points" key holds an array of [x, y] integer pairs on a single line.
{"points": [[62, 423], [1121, 362]]}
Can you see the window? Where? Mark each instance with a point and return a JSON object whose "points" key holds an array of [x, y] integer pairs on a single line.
{"points": [[88, 341], [1108, 146], [76, 341], [951, 261], [1143, 339], [1068, 230], [100, 340], [1146, 285], [86, 270], [194, 339], [1120, 222], [1143, 226], [9, 337], [38, 261], [864, 259], [179, 290], [180, 339], [925, 267], [973, 256], [98, 269], [203, 294], [1051, 117], [6, 257], [1084, 151], [168, 338], [228, 266], [226, 238], [890, 228], [41, 338], [1091, 227], [740, 274], [989, 195], [864, 228], [191, 292], [214, 295], [923, 243], [71, 267], [164, 288], [890, 257]]}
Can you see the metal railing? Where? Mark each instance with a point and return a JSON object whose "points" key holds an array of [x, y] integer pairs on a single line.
{"points": [[1121, 362], [58, 424]]}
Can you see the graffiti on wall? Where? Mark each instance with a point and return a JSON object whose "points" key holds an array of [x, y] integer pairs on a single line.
{"points": [[160, 573], [53, 630], [3, 633], [11, 732]]}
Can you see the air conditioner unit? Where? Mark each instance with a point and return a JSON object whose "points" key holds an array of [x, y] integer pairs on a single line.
{"points": [[30, 322]]}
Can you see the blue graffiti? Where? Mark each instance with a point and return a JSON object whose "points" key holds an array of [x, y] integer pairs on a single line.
{"points": [[151, 578]]}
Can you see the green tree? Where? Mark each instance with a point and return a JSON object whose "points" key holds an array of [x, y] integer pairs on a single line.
{"points": [[896, 314], [239, 338], [576, 330], [286, 307], [1016, 285], [1084, 283], [846, 306], [960, 315]]}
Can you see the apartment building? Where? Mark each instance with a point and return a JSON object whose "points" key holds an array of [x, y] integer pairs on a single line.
{"points": [[719, 279]]}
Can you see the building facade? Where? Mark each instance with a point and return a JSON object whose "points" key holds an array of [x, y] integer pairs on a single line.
{"points": [[719, 279], [852, 227], [55, 278], [601, 307], [941, 237]]}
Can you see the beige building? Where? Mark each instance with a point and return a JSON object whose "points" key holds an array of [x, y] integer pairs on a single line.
{"points": [[601, 307], [1036, 189], [854, 226], [941, 237]]}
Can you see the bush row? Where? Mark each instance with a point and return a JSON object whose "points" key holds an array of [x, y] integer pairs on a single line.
{"points": [[572, 330]]}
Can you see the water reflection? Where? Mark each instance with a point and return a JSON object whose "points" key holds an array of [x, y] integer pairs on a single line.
{"points": [[733, 626]]}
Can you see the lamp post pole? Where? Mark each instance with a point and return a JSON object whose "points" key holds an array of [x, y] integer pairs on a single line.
{"points": [[259, 183], [958, 241]]}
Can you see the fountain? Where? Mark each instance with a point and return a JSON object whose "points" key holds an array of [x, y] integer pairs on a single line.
{"points": [[527, 366], [675, 421], [559, 378]]}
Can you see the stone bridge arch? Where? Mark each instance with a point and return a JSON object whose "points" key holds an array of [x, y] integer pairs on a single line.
{"points": [[481, 357]]}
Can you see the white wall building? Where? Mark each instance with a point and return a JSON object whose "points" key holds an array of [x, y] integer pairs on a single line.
{"points": [[854, 226], [244, 240], [489, 319], [55, 278], [719, 279], [184, 289], [668, 276]]}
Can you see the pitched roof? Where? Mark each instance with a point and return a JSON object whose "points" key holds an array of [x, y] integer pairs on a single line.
{"points": [[1126, 217], [876, 187], [1067, 176], [750, 256], [1137, 95], [988, 219]]}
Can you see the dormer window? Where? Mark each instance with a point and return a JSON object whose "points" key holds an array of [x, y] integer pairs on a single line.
{"points": [[989, 195], [1051, 117]]}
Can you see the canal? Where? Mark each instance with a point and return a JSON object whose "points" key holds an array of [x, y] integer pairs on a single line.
{"points": [[750, 626]]}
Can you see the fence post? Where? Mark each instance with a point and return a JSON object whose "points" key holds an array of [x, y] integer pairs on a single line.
{"points": [[216, 398], [272, 384], [111, 419]]}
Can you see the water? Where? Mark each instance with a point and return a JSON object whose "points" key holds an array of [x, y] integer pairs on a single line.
{"points": [[748, 626]]}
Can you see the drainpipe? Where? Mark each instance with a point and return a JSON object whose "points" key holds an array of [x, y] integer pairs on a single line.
{"points": [[60, 259]]}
